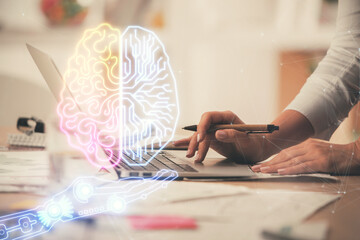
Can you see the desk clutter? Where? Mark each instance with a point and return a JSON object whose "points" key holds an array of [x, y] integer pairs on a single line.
{"points": [[183, 210], [188, 210], [31, 134], [24, 171]]}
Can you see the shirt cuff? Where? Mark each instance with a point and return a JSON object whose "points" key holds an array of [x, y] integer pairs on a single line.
{"points": [[318, 109]]}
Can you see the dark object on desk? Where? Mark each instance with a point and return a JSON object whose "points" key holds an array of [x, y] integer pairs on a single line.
{"points": [[297, 231], [249, 128], [30, 125]]}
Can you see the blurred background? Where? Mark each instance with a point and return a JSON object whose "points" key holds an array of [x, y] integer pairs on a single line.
{"points": [[251, 57]]}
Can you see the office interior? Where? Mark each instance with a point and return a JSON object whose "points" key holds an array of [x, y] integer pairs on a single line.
{"points": [[250, 57], [235, 56]]}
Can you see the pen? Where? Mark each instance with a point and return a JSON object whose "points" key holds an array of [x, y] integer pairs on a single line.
{"points": [[249, 128]]}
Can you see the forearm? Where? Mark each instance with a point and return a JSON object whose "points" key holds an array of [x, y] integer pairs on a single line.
{"points": [[294, 128], [333, 88]]}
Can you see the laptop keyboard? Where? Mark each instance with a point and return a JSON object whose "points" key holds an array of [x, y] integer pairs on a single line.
{"points": [[160, 161]]}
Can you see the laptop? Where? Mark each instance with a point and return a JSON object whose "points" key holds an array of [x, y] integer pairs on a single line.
{"points": [[165, 159]]}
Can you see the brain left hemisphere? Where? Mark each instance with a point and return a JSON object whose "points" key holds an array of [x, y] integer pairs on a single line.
{"points": [[93, 79]]}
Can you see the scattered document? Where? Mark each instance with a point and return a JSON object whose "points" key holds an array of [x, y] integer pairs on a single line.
{"points": [[236, 212], [23, 170], [219, 211]]}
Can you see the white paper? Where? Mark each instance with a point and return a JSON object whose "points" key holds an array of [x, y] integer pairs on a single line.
{"points": [[222, 212], [24, 168], [241, 215]]}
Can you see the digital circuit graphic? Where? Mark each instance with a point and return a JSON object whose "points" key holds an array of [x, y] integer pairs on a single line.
{"points": [[85, 197], [119, 97], [122, 96]]}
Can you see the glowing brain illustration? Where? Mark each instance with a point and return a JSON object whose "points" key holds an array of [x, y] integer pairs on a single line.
{"points": [[119, 96]]}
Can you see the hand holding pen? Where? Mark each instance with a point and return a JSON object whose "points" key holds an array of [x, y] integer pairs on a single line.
{"points": [[225, 140]]}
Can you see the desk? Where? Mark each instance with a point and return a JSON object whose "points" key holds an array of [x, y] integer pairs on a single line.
{"points": [[343, 215]]}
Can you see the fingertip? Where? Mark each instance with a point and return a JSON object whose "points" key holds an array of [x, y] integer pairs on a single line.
{"points": [[256, 168], [197, 158], [188, 153], [221, 135]]}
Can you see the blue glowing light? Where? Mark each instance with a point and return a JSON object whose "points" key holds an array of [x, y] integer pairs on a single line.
{"points": [[101, 195], [116, 204], [3, 232], [55, 211], [83, 191]]}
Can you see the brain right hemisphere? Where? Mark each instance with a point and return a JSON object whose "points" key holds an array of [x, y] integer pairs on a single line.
{"points": [[124, 95]]}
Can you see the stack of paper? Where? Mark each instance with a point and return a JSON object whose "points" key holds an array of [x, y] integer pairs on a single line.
{"points": [[24, 171]]}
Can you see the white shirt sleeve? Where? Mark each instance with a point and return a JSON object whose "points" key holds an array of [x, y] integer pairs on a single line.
{"points": [[333, 89]]}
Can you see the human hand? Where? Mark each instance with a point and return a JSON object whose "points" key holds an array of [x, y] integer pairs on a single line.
{"points": [[229, 143], [314, 155]]}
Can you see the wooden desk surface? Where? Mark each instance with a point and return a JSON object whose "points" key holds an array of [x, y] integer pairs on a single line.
{"points": [[343, 215]]}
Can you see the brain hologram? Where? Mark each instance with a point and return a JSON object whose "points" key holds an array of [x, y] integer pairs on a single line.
{"points": [[119, 95]]}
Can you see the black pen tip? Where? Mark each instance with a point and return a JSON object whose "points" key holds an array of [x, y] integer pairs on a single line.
{"points": [[272, 127], [190, 128]]}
